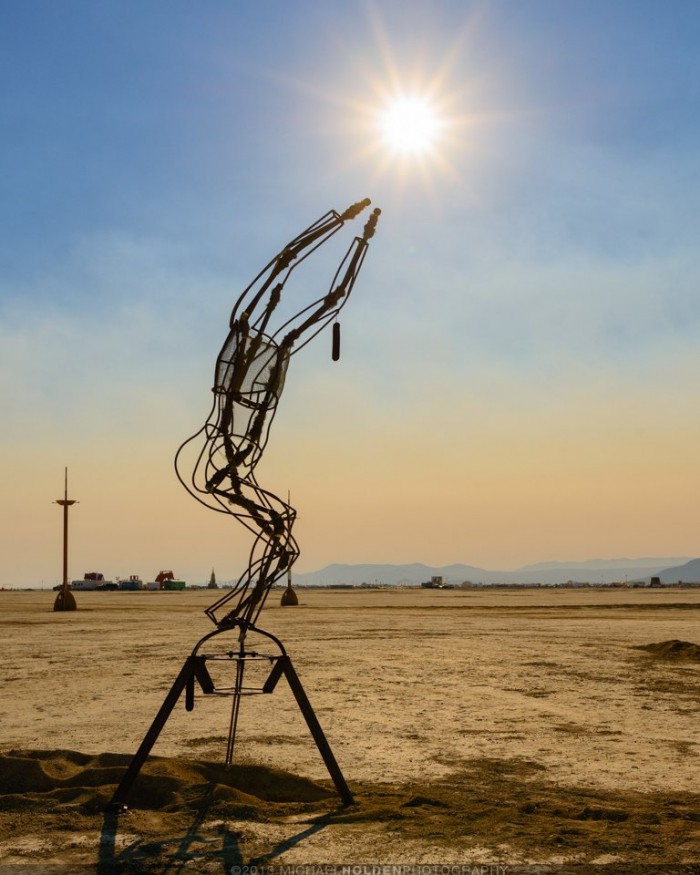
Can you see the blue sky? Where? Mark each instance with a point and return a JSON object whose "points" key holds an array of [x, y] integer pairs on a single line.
{"points": [[520, 354]]}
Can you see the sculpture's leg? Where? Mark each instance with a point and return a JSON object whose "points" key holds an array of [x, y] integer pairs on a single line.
{"points": [[193, 668], [284, 666]]}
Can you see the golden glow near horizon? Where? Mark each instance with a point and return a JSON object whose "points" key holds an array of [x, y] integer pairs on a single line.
{"points": [[410, 125]]}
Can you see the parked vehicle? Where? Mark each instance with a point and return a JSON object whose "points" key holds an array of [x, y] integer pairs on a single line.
{"points": [[93, 580]]}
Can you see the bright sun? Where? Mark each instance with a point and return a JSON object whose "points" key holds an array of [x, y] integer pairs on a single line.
{"points": [[410, 125]]}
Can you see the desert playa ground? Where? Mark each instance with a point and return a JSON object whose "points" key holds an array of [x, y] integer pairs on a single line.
{"points": [[534, 729]]}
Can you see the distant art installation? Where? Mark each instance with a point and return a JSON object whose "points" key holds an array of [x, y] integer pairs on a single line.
{"points": [[217, 467], [65, 600]]}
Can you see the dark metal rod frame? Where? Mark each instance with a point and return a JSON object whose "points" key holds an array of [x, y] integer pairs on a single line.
{"points": [[249, 377], [194, 670]]}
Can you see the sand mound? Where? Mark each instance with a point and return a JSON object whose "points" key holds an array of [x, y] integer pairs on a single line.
{"points": [[673, 649], [40, 777]]}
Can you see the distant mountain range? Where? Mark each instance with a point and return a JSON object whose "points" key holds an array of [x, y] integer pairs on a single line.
{"points": [[669, 569], [689, 572]]}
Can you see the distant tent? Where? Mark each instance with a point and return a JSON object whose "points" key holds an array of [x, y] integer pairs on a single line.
{"points": [[212, 581]]}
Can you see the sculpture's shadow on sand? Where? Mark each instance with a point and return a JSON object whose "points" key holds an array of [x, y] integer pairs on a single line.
{"points": [[194, 846], [239, 793], [169, 854]]}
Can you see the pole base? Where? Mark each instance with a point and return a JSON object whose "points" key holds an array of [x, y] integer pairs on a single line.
{"points": [[289, 597], [65, 601]]}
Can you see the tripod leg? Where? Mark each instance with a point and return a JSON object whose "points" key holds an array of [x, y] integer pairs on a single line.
{"points": [[312, 722], [274, 676], [123, 791]]}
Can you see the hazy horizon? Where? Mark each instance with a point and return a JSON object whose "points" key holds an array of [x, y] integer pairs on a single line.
{"points": [[592, 566], [520, 355]]}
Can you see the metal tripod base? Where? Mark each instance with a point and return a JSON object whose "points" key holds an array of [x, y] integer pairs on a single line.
{"points": [[195, 670]]}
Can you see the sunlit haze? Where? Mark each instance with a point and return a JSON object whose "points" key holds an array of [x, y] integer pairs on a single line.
{"points": [[520, 354]]}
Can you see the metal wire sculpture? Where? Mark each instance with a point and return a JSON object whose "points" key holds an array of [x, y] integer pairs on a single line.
{"points": [[249, 378], [217, 466]]}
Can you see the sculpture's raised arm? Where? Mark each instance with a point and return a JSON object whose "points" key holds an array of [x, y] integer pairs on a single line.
{"points": [[251, 306], [316, 316]]}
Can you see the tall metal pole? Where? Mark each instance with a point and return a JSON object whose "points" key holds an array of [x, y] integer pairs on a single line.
{"points": [[65, 600], [289, 597]]}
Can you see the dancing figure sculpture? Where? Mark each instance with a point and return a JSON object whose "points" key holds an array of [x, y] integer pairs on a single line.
{"points": [[217, 466], [249, 377]]}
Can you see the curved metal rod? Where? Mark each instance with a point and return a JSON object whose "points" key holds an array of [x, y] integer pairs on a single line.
{"points": [[217, 464], [249, 628]]}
